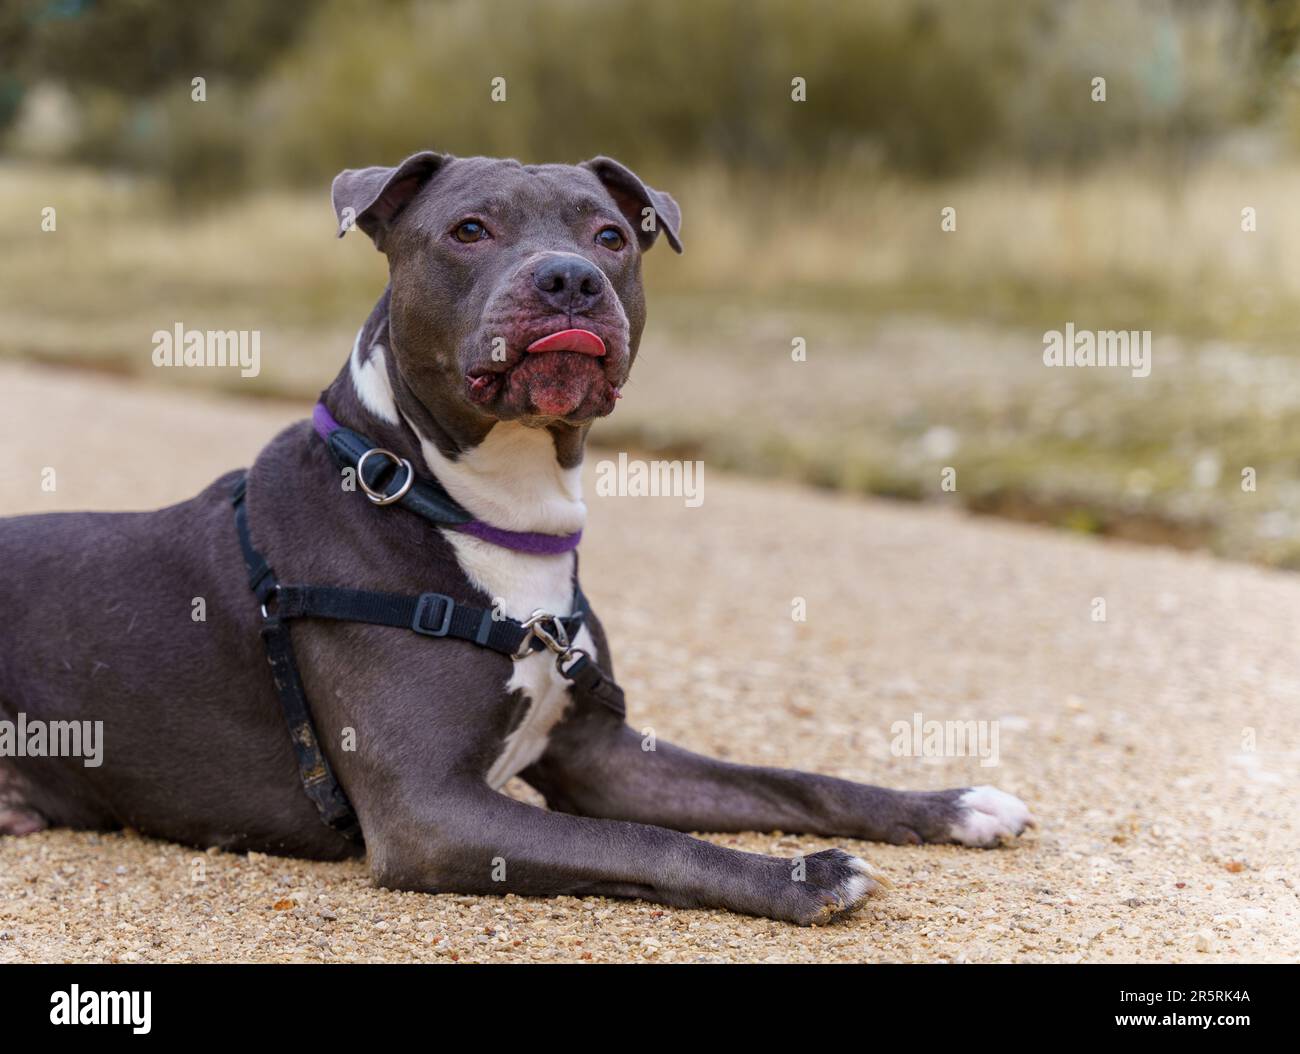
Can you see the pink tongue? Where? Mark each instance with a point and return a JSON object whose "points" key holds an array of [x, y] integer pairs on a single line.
{"points": [[583, 341]]}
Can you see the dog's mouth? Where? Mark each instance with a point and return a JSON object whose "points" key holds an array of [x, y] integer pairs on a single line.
{"points": [[560, 374]]}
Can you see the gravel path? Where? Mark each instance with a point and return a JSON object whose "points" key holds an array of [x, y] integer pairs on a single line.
{"points": [[1163, 835]]}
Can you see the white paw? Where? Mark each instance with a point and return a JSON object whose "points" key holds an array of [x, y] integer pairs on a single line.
{"points": [[833, 884], [864, 880], [988, 815]]}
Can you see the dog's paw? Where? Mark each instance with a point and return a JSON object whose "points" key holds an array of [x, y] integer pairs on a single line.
{"points": [[19, 821], [835, 883], [986, 815]]}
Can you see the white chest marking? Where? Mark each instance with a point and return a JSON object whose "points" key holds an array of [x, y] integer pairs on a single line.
{"points": [[520, 584], [512, 480]]}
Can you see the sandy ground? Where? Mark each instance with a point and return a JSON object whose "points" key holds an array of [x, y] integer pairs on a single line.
{"points": [[1159, 749]]}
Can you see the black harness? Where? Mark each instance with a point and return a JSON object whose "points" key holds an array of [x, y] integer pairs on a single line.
{"points": [[433, 615]]}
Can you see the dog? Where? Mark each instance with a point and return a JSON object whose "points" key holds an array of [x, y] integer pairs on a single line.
{"points": [[511, 319]]}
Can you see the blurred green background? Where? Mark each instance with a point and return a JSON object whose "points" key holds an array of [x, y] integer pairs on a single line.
{"points": [[817, 220]]}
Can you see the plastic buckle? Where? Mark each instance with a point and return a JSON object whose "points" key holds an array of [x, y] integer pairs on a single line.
{"points": [[424, 607]]}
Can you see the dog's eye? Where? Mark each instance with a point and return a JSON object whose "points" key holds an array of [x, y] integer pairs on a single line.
{"points": [[611, 238], [470, 231]]}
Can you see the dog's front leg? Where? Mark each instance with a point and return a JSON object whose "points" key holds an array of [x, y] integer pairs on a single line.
{"points": [[475, 840], [597, 766]]}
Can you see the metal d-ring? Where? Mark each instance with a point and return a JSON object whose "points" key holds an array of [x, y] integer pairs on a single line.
{"points": [[378, 497]]}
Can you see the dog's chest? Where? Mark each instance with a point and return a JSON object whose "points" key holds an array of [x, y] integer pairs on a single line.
{"points": [[519, 584]]}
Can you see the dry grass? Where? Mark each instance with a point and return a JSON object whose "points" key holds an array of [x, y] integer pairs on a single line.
{"points": [[1137, 247], [1147, 248]]}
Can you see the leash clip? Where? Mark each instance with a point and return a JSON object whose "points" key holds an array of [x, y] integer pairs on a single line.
{"points": [[547, 628]]}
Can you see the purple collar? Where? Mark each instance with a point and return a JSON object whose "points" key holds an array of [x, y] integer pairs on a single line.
{"points": [[431, 500]]}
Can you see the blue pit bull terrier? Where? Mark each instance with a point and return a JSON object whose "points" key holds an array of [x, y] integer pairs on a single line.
{"points": [[434, 495]]}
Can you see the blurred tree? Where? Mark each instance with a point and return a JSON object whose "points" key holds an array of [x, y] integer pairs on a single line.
{"points": [[300, 88], [130, 63], [135, 47], [1274, 26]]}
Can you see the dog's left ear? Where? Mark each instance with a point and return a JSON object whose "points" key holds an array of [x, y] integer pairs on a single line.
{"points": [[646, 209], [371, 198]]}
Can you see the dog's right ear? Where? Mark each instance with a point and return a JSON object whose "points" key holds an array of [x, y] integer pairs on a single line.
{"points": [[371, 198]]}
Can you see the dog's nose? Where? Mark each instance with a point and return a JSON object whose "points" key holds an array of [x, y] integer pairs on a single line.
{"points": [[569, 282]]}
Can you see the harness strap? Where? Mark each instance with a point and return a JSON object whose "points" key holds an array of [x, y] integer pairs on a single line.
{"points": [[428, 614], [590, 683], [318, 779]]}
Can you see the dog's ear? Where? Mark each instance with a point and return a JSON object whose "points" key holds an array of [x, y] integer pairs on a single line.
{"points": [[646, 209], [371, 198]]}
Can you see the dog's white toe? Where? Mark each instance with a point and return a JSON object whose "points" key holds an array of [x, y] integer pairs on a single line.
{"points": [[988, 815], [864, 881]]}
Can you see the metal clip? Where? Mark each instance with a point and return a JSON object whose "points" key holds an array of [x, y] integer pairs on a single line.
{"points": [[571, 653], [547, 628]]}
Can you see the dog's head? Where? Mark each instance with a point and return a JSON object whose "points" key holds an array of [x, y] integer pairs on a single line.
{"points": [[516, 289]]}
